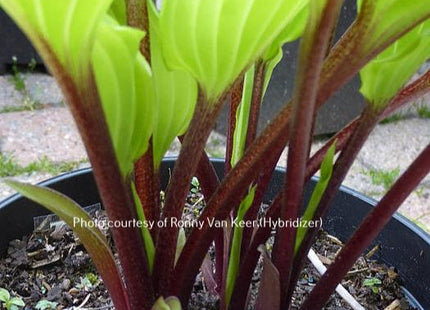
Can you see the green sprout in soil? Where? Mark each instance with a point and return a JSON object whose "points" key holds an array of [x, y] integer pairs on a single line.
{"points": [[9, 302], [89, 282], [195, 185], [46, 305], [373, 283]]}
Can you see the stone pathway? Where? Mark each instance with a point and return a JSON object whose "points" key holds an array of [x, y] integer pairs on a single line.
{"points": [[37, 132]]}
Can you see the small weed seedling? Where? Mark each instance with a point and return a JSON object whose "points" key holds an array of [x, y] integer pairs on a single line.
{"points": [[89, 282], [8, 302], [373, 283], [423, 111], [393, 118], [46, 305], [17, 78], [18, 81], [10, 167], [386, 178], [195, 185]]}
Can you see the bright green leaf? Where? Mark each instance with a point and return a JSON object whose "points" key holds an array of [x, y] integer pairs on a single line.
{"points": [[76, 37], [292, 31], [175, 95], [242, 117], [372, 282], [173, 303], [146, 235], [63, 29], [170, 303], [217, 40], [270, 60], [325, 175], [4, 294], [390, 17], [46, 305], [125, 86], [382, 77], [234, 260], [17, 302], [270, 66], [118, 11]]}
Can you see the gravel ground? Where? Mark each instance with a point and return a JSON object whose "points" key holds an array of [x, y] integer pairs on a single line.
{"points": [[390, 149], [48, 131]]}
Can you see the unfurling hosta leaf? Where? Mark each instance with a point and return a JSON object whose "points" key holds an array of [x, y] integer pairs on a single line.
{"points": [[390, 17], [61, 29], [91, 237], [389, 71], [292, 31], [217, 40], [271, 57], [170, 303], [118, 11], [325, 175], [76, 39], [175, 95], [125, 86]]}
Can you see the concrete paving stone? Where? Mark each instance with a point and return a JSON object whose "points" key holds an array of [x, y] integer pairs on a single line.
{"points": [[31, 135], [42, 89], [390, 146]]}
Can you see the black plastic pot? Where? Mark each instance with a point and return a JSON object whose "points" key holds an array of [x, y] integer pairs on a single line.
{"points": [[402, 244]]}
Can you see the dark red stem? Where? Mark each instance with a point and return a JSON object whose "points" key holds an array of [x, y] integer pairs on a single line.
{"points": [[409, 93], [368, 121], [220, 251], [115, 192], [148, 186], [235, 99], [312, 53], [335, 73], [368, 230], [246, 271], [192, 149], [228, 194], [137, 17], [257, 97]]}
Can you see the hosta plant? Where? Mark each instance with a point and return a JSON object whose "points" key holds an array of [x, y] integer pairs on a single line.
{"points": [[138, 75]]}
